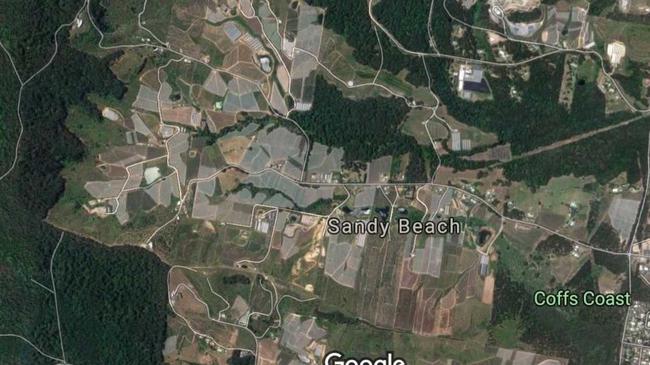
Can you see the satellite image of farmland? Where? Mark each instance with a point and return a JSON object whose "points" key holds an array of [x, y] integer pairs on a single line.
{"points": [[324, 182]]}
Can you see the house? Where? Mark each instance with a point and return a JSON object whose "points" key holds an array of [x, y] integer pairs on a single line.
{"points": [[471, 80], [615, 52]]}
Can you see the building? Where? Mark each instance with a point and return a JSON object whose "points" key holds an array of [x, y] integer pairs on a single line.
{"points": [[485, 265], [470, 81], [466, 144], [616, 52], [455, 140]]}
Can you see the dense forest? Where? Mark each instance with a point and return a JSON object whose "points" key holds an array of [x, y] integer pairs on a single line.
{"points": [[587, 335], [113, 290], [599, 7], [605, 156], [556, 245], [110, 15], [407, 23], [25, 242], [538, 119], [30, 40], [112, 303], [546, 121], [351, 19], [525, 17], [632, 84], [367, 128], [9, 128], [607, 238], [410, 24]]}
